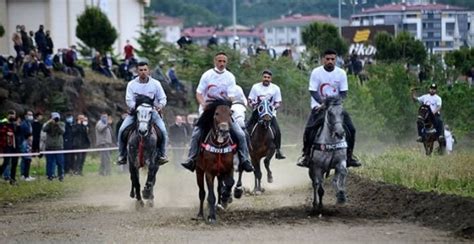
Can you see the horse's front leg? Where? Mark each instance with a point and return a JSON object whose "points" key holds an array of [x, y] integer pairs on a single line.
{"points": [[228, 183], [135, 178], [258, 176], [267, 166], [150, 181], [202, 191], [211, 198], [238, 188], [318, 190], [340, 181]]}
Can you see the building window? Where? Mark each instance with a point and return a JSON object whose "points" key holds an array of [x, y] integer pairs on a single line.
{"points": [[437, 34], [281, 29], [293, 41], [437, 25], [293, 29], [281, 41], [411, 16], [269, 30]]}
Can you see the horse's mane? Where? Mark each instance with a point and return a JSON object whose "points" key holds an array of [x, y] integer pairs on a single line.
{"points": [[140, 99], [206, 120], [333, 100]]}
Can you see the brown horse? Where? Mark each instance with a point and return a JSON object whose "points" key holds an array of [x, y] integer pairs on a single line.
{"points": [[261, 146], [216, 157], [426, 120]]}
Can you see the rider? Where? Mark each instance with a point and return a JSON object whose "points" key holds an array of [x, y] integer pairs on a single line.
{"points": [[266, 90], [325, 81], [215, 83], [434, 101], [144, 85]]}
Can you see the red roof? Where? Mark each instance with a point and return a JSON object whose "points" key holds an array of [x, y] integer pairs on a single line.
{"points": [[197, 32], [298, 19], [412, 7], [163, 20]]}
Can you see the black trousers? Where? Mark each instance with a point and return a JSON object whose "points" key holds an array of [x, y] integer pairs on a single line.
{"points": [[316, 120], [274, 123], [437, 123]]}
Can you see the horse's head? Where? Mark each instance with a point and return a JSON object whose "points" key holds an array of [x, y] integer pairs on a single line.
{"points": [[334, 117], [265, 112], [222, 122], [144, 113], [424, 113]]}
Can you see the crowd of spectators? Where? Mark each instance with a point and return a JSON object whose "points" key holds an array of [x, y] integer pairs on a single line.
{"points": [[30, 133]]}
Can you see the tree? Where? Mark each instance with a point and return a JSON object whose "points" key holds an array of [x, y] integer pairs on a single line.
{"points": [[2, 30], [95, 30], [403, 47], [150, 42], [462, 59], [321, 36]]}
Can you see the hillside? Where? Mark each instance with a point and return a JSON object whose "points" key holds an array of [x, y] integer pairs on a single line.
{"points": [[254, 12], [64, 93]]}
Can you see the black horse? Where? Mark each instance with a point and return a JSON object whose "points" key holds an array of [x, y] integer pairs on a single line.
{"points": [[426, 120]]}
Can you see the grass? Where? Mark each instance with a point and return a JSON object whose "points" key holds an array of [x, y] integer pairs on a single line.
{"points": [[451, 174]]}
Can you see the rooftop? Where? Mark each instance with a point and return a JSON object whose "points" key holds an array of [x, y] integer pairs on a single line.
{"points": [[163, 20], [197, 32], [411, 7], [298, 19]]}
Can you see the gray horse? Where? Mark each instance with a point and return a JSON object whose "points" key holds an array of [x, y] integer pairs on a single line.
{"points": [[141, 151], [329, 152]]}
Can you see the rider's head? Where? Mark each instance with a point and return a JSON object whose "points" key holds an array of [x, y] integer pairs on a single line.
{"points": [[329, 59], [433, 88], [142, 68], [266, 77], [220, 61]]}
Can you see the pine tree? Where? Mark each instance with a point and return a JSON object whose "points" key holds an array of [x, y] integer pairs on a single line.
{"points": [[95, 30], [150, 42]]}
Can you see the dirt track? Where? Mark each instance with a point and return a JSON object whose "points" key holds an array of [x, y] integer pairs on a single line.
{"points": [[375, 213]]}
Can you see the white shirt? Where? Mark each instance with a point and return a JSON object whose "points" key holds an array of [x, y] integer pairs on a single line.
{"points": [[327, 84], [151, 89], [434, 101], [260, 92], [237, 95], [214, 85], [449, 140]]}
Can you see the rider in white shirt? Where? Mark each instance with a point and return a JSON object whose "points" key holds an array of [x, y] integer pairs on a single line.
{"points": [[217, 83], [266, 90], [144, 85], [239, 106], [434, 101], [326, 81]]}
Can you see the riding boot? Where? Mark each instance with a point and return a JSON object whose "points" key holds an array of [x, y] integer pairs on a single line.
{"points": [[245, 164], [278, 153], [190, 163], [303, 159], [351, 160], [122, 159]]}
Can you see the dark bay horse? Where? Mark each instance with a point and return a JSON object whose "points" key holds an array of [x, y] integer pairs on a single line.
{"points": [[261, 146], [426, 120], [216, 157], [142, 151], [329, 152]]}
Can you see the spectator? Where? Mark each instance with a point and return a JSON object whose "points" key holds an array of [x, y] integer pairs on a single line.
{"points": [[128, 51], [17, 43], [236, 44], [25, 131], [31, 41], [41, 43], [178, 137], [54, 130], [25, 39], [287, 53], [108, 62], [119, 123], [450, 139], [103, 135], [96, 64], [58, 61], [212, 42], [70, 60], [30, 65], [49, 44], [26, 147], [124, 70], [80, 134], [175, 83], [9, 144], [185, 40], [36, 127], [10, 73], [67, 144]]}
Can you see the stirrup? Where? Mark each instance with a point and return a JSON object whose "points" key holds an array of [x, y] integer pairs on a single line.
{"points": [[303, 161]]}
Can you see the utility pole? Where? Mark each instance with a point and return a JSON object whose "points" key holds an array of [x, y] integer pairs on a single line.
{"points": [[339, 20], [234, 18]]}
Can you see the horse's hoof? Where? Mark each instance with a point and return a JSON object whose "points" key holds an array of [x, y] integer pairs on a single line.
{"points": [[270, 179], [132, 194], [238, 192], [211, 221], [147, 193], [139, 204], [262, 190], [150, 204], [341, 197], [256, 193]]}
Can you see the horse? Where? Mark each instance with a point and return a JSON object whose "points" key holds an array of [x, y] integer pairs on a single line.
{"points": [[261, 146], [215, 158], [329, 152], [141, 151], [426, 119]]}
